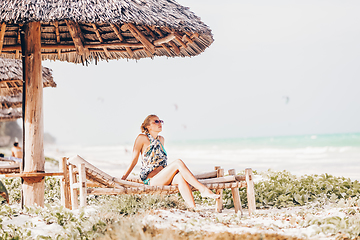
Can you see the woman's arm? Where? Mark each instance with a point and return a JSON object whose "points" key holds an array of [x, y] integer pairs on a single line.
{"points": [[139, 142]]}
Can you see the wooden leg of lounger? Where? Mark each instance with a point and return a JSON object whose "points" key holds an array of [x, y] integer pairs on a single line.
{"points": [[82, 180], [236, 195], [73, 190], [250, 190], [219, 201], [67, 185], [62, 182], [65, 193]]}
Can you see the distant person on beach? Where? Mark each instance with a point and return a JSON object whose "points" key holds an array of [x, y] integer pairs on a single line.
{"points": [[154, 168], [16, 151]]}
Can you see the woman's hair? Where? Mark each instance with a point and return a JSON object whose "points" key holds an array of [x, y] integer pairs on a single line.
{"points": [[146, 123]]}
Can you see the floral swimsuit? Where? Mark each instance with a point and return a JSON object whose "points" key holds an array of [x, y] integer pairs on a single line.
{"points": [[153, 157]]}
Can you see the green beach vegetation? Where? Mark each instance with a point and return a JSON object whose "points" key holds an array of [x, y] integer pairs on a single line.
{"points": [[120, 217]]}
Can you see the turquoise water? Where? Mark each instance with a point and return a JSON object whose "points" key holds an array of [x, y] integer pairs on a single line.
{"points": [[336, 154], [321, 140]]}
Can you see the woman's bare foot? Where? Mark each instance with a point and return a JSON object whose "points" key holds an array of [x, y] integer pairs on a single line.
{"points": [[206, 193]]}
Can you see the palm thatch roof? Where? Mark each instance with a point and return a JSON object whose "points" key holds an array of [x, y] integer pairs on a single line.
{"points": [[10, 114], [81, 30], [7, 102], [11, 76]]}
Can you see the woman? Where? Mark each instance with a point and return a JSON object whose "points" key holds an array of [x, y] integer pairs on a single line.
{"points": [[154, 169]]}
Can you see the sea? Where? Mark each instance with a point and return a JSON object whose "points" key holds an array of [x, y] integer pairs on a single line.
{"points": [[335, 154]]}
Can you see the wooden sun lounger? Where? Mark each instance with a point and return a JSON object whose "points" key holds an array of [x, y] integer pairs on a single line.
{"points": [[82, 178], [6, 169]]}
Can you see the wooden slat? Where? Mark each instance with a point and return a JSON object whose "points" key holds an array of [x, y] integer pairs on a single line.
{"points": [[77, 36], [97, 33], [188, 39], [93, 173], [149, 31], [27, 174], [17, 52], [175, 47], [57, 32], [218, 180], [163, 39], [117, 32], [157, 189], [211, 174], [2, 35], [121, 38], [178, 39], [141, 37]]}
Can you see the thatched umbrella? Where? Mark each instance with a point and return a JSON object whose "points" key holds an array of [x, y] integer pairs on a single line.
{"points": [[10, 114], [11, 80], [80, 31]]}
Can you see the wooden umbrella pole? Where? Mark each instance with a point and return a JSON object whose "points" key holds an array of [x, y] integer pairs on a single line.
{"points": [[33, 188]]}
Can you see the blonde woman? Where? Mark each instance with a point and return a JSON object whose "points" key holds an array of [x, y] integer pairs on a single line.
{"points": [[154, 168]]}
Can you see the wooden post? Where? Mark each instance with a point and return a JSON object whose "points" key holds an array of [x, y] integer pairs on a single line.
{"points": [[73, 190], [33, 188], [236, 195], [82, 181], [65, 193], [250, 190], [219, 201]]}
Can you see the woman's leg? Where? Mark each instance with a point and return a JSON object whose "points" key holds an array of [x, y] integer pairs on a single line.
{"points": [[165, 177], [184, 189]]}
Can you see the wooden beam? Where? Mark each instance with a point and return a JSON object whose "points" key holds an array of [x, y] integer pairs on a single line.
{"points": [[166, 48], [218, 180], [149, 31], [34, 161], [141, 37], [211, 174], [178, 39], [117, 32], [121, 38], [175, 47], [219, 201], [163, 40], [64, 184], [82, 182], [188, 39], [194, 35], [77, 36], [250, 190], [236, 194], [35, 174], [65, 46], [57, 32], [2, 35], [100, 39], [17, 52], [73, 190]]}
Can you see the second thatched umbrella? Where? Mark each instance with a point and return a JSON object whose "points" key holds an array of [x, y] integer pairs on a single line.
{"points": [[11, 84], [80, 31], [11, 81]]}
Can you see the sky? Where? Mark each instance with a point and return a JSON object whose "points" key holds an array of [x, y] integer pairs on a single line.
{"points": [[276, 68]]}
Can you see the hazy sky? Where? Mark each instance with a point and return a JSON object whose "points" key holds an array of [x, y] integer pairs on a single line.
{"points": [[265, 50]]}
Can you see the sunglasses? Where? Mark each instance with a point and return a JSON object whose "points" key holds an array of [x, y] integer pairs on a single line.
{"points": [[159, 121]]}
